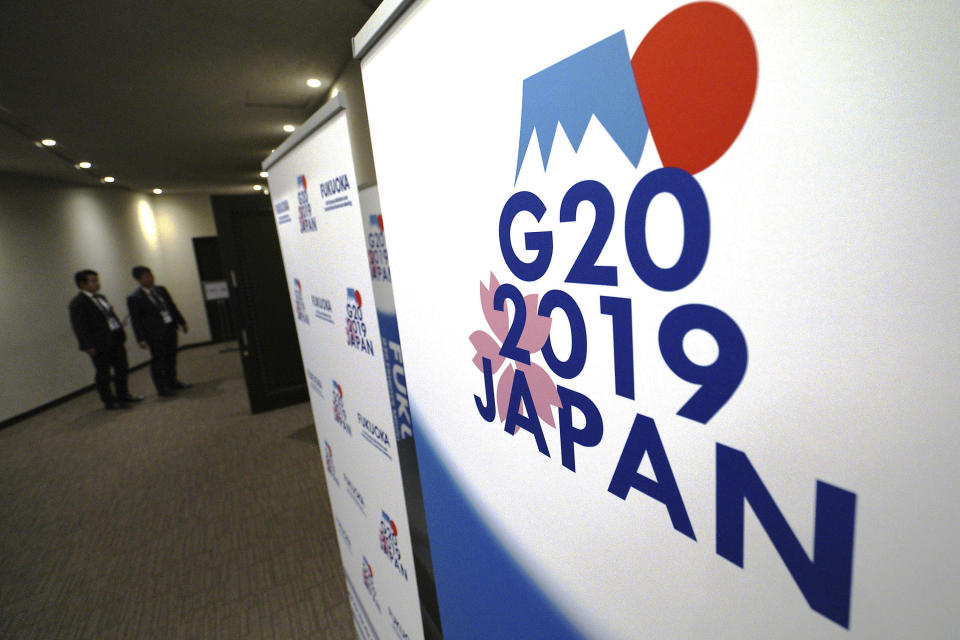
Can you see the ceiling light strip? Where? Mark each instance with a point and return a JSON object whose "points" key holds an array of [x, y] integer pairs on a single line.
{"points": [[24, 130]]}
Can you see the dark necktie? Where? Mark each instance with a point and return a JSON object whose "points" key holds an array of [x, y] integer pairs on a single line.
{"points": [[107, 311], [102, 304], [157, 300]]}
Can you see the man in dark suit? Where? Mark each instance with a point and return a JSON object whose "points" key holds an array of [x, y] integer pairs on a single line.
{"points": [[101, 335], [155, 319]]}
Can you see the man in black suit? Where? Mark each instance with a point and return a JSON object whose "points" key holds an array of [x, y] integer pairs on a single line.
{"points": [[101, 335], [155, 319]]}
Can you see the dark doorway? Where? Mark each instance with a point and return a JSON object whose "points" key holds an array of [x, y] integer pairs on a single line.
{"points": [[260, 301], [216, 293]]}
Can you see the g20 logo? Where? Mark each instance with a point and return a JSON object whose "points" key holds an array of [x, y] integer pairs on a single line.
{"points": [[389, 543], [690, 84]]}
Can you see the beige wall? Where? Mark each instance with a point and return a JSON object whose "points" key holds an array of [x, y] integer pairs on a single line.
{"points": [[350, 84], [49, 230], [179, 220]]}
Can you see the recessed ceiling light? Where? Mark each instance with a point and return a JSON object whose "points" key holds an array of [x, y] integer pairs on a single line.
{"points": [[257, 187], [48, 142], [84, 165], [289, 128], [264, 174], [314, 83], [108, 178], [158, 191]]}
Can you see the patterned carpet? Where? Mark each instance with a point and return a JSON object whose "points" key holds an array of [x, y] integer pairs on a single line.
{"points": [[179, 518]]}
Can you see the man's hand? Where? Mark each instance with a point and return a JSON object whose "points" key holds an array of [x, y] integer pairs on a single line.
{"points": [[143, 344], [92, 351], [186, 329]]}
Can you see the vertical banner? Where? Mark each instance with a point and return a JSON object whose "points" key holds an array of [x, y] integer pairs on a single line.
{"points": [[677, 291], [323, 239]]}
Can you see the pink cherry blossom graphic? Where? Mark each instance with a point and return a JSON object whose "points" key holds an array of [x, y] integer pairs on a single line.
{"points": [[536, 330]]}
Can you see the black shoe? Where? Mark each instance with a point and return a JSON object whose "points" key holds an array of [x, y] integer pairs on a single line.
{"points": [[130, 398], [113, 406], [166, 393], [180, 385]]}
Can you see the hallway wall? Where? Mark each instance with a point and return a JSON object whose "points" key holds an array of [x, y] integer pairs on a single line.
{"points": [[51, 229]]}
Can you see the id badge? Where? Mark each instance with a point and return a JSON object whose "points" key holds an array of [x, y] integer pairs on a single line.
{"points": [[167, 318], [113, 323]]}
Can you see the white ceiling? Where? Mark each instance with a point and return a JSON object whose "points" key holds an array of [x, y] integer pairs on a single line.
{"points": [[187, 96]]}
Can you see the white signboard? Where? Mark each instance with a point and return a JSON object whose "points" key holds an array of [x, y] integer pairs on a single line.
{"points": [[322, 238], [215, 290], [678, 297]]}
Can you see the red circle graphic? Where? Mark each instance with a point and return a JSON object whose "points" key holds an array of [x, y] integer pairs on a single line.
{"points": [[696, 72]]}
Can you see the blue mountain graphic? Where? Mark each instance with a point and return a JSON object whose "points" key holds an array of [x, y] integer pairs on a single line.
{"points": [[597, 81]]}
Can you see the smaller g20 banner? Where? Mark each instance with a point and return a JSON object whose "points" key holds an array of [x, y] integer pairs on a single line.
{"points": [[332, 289]]}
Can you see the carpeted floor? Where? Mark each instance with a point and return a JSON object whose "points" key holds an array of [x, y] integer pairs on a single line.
{"points": [[180, 518]]}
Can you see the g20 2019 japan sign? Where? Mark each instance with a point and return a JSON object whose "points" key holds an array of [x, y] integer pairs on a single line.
{"points": [[659, 90]]}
